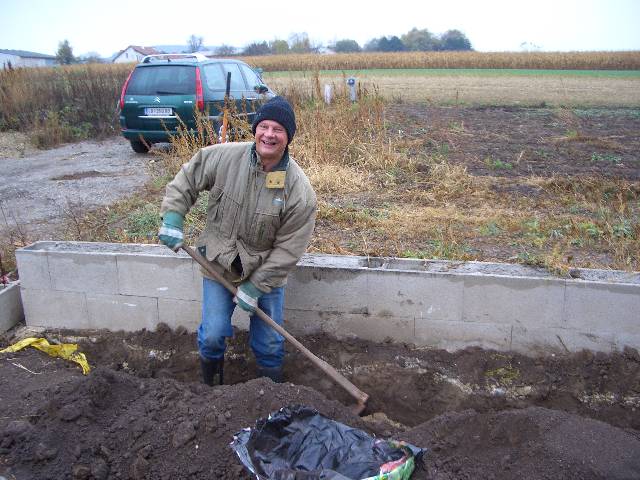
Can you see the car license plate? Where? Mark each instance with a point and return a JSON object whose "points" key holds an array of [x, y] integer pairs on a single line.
{"points": [[158, 111]]}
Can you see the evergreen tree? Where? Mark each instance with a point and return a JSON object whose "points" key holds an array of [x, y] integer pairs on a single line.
{"points": [[64, 55]]}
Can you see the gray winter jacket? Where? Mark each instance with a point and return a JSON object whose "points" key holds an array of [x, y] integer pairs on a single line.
{"points": [[263, 218]]}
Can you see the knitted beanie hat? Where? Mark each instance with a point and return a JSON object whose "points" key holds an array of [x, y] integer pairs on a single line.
{"points": [[279, 110]]}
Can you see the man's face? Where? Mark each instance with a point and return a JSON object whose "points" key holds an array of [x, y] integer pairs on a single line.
{"points": [[271, 140]]}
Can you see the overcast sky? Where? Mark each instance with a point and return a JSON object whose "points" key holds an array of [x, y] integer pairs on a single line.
{"points": [[108, 26]]}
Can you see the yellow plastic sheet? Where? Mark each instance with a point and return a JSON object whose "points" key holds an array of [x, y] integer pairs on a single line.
{"points": [[66, 351]]}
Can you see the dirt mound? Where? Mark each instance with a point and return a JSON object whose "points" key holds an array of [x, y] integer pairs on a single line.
{"points": [[533, 443], [425, 383], [143, 414], [114, 425]]}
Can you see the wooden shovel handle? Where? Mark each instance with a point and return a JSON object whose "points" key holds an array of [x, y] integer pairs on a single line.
{"points": [[225, 120]]}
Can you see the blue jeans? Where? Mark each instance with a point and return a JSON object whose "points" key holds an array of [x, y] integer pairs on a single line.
{"points": [[217, 308]]}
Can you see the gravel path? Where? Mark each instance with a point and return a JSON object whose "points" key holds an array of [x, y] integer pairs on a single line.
{"points": [[38, 189]]}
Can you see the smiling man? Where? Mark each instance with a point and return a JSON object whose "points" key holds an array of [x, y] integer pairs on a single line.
{"points": [[260, 217]]}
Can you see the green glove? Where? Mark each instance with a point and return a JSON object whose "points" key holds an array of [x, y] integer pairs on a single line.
{"points": [[170, 233], [247, 296]]}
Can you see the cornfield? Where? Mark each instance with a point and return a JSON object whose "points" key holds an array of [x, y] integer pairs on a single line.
{"points": [[71, 103], [76, 101], [524, 60]]}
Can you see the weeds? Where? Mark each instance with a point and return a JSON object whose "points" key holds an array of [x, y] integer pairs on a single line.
{"points": [[14, 236], [606, 157], [497, 164], [63, 103], [491, 229]]}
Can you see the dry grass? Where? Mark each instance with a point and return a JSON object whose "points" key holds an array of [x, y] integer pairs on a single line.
{"points": [[575, 222], [70, 103], [62, 103], [520, 60], [379, 196]]}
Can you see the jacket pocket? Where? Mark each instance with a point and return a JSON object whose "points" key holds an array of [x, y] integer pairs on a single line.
{"points": [[222, 212], [264, 228]]}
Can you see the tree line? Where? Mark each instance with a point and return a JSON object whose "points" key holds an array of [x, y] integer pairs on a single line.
{"points": [[415, 40]]}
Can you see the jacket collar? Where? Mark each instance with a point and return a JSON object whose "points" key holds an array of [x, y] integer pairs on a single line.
{"points": [[282, 164]]}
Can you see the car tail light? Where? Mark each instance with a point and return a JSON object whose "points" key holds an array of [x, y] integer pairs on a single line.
{"points": [[199, 96], [124, 90]]}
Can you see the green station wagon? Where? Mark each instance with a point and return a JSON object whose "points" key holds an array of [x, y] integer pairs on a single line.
{"points": [[164, 90]]}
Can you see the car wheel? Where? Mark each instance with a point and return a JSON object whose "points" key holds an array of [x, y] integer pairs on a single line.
{"points": [[139, 146]]}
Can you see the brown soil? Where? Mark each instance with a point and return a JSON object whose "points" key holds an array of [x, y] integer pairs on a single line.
{"points": [[513, 141], [141, 413]]}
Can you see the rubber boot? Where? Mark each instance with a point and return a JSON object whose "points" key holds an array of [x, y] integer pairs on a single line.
{"points": [[274, 373], [212, 369]]}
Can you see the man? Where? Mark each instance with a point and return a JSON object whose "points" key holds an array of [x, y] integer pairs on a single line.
{"points": [[260, 217]]}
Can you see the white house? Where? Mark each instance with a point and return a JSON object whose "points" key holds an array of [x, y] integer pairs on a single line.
{"points": [[134, 53], [21, 58]]}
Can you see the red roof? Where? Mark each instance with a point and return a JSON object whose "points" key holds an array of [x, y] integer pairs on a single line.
{"points": [[144, 50], [141, 50]]}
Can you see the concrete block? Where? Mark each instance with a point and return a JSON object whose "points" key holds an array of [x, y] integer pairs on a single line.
{"points": [[33, 266], [185, 313], [197, 279], [10, 306], [313, 288], [430, 303], [49, 308], [601, 306], [415, 294], [513, 300], [121, 312], [540, 341], [349, 325], [188, 313], [83, 272], [303, 322], [453, 336], [158, 276]]}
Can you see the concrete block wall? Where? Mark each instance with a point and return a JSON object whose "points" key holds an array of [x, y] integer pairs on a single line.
{"points": [[10, 306], [436, 304]]}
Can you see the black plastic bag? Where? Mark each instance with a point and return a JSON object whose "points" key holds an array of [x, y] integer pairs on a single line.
{"points": [[298, 443]]}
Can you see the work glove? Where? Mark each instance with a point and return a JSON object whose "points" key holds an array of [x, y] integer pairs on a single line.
{"points": [[247, 296], [170, 233]]}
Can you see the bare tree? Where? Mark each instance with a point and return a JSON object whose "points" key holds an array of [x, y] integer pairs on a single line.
{"points": [[300, 43], [225, 50], [194, 43]]}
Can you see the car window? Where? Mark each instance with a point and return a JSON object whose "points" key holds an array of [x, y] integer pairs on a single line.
{"points": [[237, 83], [214, 78], [163, 80], [250, 75]]}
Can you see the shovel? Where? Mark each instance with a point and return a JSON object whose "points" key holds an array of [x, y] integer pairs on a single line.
{"points": [[225, 114], [355, 392]]}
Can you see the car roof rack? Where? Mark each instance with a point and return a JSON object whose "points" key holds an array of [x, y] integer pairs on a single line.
{"points": [[198, 57]]}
